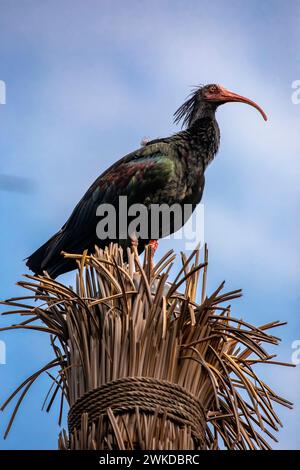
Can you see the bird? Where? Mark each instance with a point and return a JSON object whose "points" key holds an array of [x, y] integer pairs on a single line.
{"points": [[166, 170]]}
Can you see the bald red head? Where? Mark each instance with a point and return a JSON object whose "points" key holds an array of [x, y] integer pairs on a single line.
{"points": [[220, 95]]}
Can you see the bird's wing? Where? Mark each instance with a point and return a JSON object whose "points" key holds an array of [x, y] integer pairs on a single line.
{"points": [[138, 176]]}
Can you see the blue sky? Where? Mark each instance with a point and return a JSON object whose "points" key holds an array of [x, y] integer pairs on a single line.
{"points": [[86, 80]]}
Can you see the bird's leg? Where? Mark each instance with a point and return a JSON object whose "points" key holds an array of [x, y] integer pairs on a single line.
{"points": [[153, 245], [134, 243]]}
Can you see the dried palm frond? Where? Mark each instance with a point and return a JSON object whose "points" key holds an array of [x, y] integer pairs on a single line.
{"points": [[143, 363]]}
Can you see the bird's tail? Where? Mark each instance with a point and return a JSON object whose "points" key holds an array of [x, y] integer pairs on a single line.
{"points": [[48, 258]]}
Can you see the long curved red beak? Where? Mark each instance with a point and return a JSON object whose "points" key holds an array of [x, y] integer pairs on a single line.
{"points": [[226, 96]]}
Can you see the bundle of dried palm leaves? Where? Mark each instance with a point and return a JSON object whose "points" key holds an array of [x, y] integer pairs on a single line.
{"points": [[143, 364]]}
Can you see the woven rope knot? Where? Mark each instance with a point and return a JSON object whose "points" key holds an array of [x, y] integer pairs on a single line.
{"points": [[149, 395]]}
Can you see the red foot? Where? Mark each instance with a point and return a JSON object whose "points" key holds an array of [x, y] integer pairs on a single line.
{"points": [[153, 245]]}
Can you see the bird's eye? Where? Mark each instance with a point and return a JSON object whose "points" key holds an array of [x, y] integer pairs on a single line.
{"points": [[213, 88]]}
